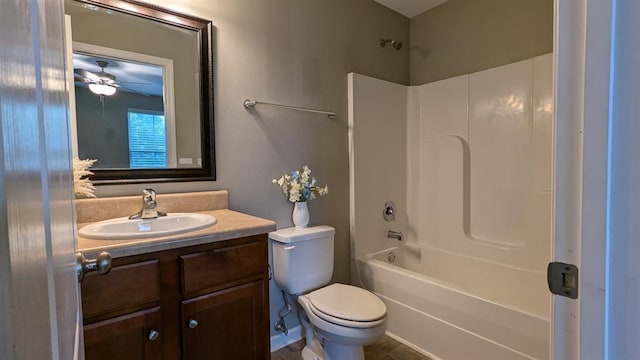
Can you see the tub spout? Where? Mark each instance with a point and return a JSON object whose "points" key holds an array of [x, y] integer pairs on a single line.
{"points": [[395, 235]]}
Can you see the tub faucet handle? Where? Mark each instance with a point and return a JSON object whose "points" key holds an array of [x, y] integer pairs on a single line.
{"points": [[391, 234], [389, 211]]}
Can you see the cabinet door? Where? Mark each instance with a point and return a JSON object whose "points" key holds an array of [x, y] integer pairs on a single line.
{"points": [[134, 336], [228, 324]]}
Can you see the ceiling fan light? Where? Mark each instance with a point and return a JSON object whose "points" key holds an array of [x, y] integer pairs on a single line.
{"points": [[102, 89]]}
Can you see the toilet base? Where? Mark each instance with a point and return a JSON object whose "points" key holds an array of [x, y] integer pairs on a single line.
{"points": [[312, 351], [333, 351], [308, 354]]}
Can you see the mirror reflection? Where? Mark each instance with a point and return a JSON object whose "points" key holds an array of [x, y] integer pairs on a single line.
{"points": [[124, 111], [139, 90]]}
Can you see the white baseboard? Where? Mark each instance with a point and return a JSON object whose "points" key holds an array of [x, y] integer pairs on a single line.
{"points": [[281, 340]]}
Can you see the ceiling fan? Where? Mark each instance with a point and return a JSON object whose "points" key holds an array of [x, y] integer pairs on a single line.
{"points": [[100, 83]]}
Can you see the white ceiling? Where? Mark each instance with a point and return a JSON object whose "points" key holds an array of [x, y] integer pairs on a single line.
{"points": [[410, 8]]}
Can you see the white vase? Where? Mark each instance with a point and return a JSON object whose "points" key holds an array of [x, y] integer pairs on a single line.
{"points": [[300, 214]]}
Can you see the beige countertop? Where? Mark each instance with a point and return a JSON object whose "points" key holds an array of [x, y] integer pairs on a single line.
{"points": [[230, 225]]}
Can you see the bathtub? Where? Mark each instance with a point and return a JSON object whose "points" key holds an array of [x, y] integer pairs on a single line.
{"points": [[455, 307]]}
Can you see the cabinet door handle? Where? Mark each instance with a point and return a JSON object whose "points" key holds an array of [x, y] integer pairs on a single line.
{"points": [[154, 335], [192, 324]]}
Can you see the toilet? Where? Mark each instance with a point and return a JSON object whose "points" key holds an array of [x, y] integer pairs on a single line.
{"points": [[340, 319]]}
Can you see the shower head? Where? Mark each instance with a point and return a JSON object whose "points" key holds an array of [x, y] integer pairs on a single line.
{"points": [[396, 44]]}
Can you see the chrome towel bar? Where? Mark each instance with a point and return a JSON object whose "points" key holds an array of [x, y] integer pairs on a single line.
{"points": [[250, 104]]}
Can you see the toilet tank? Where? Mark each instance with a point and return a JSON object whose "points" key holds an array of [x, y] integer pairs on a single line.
{"points": [[302, 258]]}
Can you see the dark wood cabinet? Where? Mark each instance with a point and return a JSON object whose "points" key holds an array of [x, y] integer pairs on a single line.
{"points": [[201, 302], [133, 336], [234, 315]]}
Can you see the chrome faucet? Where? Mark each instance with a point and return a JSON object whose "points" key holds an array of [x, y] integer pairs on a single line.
{"points": [[149, 206], [395, 235]]}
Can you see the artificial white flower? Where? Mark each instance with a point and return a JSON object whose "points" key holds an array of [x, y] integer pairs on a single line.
{"points": [[300, 186], [82, 187]]}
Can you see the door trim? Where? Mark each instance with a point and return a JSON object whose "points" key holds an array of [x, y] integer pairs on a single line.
{"points": [[582, 57]]}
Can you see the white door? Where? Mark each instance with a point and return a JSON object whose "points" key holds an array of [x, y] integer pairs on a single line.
{"points": [[597, 200], [39, 308]]}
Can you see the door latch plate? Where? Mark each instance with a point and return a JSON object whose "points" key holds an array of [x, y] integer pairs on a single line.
{"points": [[563, 279]]}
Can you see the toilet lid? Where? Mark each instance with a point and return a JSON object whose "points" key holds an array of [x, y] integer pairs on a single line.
{"points": [[348, 303]]}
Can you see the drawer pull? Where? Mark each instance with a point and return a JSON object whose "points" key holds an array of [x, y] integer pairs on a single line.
{"points": [[154, 335], [192, 324]]}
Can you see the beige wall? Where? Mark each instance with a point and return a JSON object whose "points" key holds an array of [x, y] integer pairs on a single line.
{"points": [[465, 36], [295, 52]]}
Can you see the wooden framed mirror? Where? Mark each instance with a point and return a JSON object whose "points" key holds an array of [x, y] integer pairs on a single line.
{"points": [[142, 94]]}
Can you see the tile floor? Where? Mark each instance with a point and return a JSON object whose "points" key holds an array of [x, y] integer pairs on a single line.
{"points": [[385, 349]]}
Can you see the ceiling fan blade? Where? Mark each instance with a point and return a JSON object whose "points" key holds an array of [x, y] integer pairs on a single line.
{"points": [[88, 76], [80, 79], [133, 91], [135, 83]]}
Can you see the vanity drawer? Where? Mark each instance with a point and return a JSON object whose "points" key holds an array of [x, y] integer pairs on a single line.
{"points": [[125, 288], [204, 270]]}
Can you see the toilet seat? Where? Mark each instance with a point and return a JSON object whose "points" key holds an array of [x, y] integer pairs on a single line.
{"points": [[347, 305]]}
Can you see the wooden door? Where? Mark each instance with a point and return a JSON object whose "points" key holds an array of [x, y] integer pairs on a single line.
{"points": [[38, 285], [231, 324], [135, 336]]}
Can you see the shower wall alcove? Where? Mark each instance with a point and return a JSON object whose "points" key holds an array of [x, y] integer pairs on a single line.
{"points": [[468, 161]]}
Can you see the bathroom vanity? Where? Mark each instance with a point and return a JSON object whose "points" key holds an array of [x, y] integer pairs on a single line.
{"points": [[198, 295]]}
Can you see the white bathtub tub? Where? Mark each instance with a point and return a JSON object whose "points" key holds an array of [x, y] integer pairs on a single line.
{"points": [[460, 308]]}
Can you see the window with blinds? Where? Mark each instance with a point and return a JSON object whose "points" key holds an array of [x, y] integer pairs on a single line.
{"points": [[147, 139]]}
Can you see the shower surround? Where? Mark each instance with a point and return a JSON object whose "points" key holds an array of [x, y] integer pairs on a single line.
{"points": [[468, 161]]}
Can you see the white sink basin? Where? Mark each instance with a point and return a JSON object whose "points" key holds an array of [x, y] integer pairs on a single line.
{"points": [[123, 228]]}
